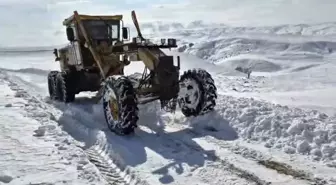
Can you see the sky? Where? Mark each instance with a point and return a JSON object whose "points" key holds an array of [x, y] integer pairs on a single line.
{"points": [[39, 22]]}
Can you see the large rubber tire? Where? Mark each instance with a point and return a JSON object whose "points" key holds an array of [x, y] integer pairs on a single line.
{"points": [[120, 105], [198, 93], [52, 84], [64, 87]]}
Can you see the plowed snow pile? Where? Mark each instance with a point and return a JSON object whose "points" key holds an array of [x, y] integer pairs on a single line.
{"points": [[292, 130]]}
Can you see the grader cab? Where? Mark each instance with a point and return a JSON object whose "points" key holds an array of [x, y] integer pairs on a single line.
{"points": [[94, 60]]}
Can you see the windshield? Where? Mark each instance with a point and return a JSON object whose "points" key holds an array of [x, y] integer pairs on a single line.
{"points": [[102, 30]]}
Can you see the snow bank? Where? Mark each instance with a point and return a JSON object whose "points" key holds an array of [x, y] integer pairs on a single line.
{"points": [[292, 130]]}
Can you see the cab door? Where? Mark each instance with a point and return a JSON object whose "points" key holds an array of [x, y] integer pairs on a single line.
{"points": [[75, 56]]}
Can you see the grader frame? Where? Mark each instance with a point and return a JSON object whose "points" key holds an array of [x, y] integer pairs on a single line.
{"points": [[95, 60], [140, 48]]}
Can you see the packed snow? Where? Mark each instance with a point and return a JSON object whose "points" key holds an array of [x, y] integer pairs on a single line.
{"points": [[34, 150], [276, 127]]}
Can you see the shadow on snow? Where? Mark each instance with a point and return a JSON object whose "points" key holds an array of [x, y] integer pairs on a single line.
{"points": [[85, 122]]}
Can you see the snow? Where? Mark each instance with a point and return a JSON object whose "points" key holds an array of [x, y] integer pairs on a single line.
{"points": [[29, 152], [287, 68], [283, 117]]}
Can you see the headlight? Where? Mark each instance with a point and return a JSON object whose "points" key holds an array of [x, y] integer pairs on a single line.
{"points": [[172, 42]]}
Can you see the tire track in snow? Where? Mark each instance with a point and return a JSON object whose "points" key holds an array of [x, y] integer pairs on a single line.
{"points": [[81, 126], [281, 168], [210, 157], [213, 157], [301, 169], [98, 154], [170, 146], [207, 136], [269, 162], [243, 167], [37, 111], [113, 174]]}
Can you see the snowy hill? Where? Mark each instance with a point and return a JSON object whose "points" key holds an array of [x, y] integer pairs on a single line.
{"points": [[278, 127], [218, 29]]}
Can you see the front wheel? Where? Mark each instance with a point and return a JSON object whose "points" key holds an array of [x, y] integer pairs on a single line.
{"points": [[120, 105], [198, 93]]}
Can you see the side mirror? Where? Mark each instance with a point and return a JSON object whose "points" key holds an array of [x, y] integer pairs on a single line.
{"points": [[56, 55], [125, 32], [55, 52], [70, 34]]}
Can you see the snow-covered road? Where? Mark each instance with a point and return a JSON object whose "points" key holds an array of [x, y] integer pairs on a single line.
{"points": [[34, 150], [176, 154]]}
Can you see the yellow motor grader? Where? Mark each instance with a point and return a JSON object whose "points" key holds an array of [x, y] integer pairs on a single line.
{"points": [[94, 60]]}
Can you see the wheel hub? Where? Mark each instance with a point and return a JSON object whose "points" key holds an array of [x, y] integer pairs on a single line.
{"points": [[189, 93], [112, 110]]}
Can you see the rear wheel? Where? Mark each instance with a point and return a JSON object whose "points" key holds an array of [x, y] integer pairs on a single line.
{"points": [[64, 87], [120, 105], [198, 93], [52, 84]]}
